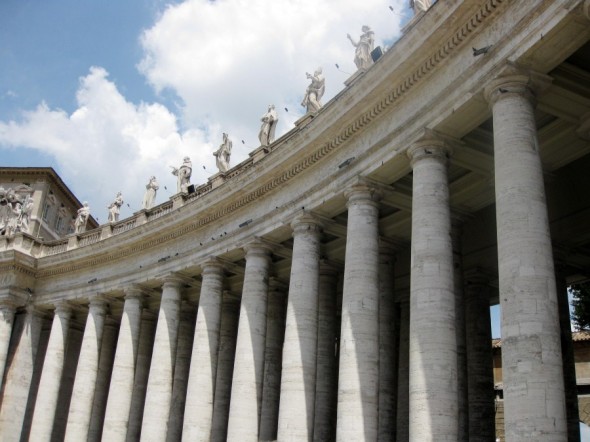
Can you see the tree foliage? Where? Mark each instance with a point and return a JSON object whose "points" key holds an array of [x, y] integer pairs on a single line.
{"points": [[581, 305]]}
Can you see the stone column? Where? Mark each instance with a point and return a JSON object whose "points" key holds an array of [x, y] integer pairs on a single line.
{"points": [[403, 373], [480, 375], [7, 311], [49, 385], [327, 363], [273, 360], [246, 392], [296, 409], [198, 412], [19, 374], [122, 378], [158, 396], [359, 350], [534, 400], [230, 315], [103, 378], [186, 335], [86, 373], [142, 371], [388, 343], [433, 334]]}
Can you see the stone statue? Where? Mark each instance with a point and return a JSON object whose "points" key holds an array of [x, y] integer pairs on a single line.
{"points": [[25, 214], [223, 153], [150, 193], [314, 91], [183, 173], [82, 218], [419, 6], [114, 208], [269, 124], [362, 55], [15, 212]]}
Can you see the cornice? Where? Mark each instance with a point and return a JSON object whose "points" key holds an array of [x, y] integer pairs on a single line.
{"points": [[400, 89]]}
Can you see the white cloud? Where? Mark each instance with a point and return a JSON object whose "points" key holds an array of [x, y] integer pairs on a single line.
{"points": [[225, 60]]}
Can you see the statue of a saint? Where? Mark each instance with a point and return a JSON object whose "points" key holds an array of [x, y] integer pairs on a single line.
{"points": [[115, 208], [150, 193], [419, 6], [82, 218], [183, 173], [25, 214], [223, 153], [362, 55], [314, 91], [269, 124]]}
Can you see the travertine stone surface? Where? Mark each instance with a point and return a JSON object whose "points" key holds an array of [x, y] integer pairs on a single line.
{"points": [[479, 360], [246, 392], [122, 378], [230, 314], [19, 375], [7, 311], [298, 378], [273, 357], [534, 404], [327, 362], [403, 373], [158, 398], [198, 412], [86, 373], [359, 352], [49, 386], [433, 340]]}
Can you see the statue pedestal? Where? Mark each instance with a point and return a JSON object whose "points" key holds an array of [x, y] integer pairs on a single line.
{"points": [[217, 180]]}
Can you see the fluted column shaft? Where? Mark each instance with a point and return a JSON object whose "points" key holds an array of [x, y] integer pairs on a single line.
{"points": [[359, 352], [433, 340], [246, 393], [158, 396], [198, 412], [273, 357], [327, 364], [49, 385], [86, 373], [19, 375], [480, 375], [123, 374], [7, 311], [296, 409], [534, 401]]}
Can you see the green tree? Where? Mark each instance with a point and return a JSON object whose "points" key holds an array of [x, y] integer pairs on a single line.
{"points": [[581, 305]]}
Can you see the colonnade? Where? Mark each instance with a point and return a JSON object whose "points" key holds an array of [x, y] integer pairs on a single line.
{"points": [[276, 362]]}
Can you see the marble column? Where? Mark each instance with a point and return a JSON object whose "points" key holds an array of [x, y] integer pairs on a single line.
{"points": [[480, 375], [186, 335], [273, 360], [142, 371], [198, 412], [534, 400], [358, 378], [298, 377], [402, 429], [49, 385], [246, 392], [19, 374], [433, 334], [158, 398], [122, 378], [230, 315], [86, 373], [388, 343], [327, 363], [7, 311]]}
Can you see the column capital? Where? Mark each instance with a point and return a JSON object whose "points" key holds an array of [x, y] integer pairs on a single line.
{"points": [[362, 191], [258, 247], [430, 145], [173, 281], [98, 304], [514, 80], [134, 291], [63, 308], [304, 222], [212, 265]]}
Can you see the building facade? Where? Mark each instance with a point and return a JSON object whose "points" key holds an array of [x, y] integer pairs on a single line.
{"points": [[336, 285]]}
